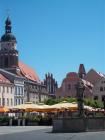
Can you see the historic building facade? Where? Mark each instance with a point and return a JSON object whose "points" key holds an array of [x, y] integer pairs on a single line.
{"points": [[51, 84], [27, 85], [94, 84], [68, 86], [6, 92], [18, 86], [98, 81]]}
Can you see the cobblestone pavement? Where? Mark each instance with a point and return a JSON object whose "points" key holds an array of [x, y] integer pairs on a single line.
{"points": [[44, 133]]}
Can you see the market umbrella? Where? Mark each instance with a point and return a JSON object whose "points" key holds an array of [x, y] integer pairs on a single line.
{"points": [[4, 109], [64, 105], [27, 107], [43, 108]]}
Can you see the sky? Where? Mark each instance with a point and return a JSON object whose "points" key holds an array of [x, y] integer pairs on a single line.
{"points": [[57, 35]]}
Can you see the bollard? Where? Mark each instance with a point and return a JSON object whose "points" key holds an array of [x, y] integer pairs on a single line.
{"points": [[10, 122], [19, 120], [23, 122]]}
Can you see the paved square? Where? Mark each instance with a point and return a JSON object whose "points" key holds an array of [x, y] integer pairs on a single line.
{"points": [[44, 133]]}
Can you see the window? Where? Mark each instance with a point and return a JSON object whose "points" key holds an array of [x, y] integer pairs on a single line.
{"points": [[6, 62], [33, 96], [7, 89], [11, 89], [22, 90], [19, 101], [3, 101], [103, 98], [16, 90], [7, 102], [19, 90], [11, 102], [96, 97], [3, 89], [101, 88], [16, 102], [69, 86], [1, 60], [22, 101]]}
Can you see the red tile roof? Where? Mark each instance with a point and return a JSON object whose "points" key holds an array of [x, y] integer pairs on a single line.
{"points": [[4, 79], [28, 72]]}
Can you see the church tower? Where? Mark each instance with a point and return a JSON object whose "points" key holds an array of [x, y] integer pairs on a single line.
{"points": [[51, 84], [8, 52]]}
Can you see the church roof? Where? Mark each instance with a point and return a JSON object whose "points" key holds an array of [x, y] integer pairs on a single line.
{"points": [[4, 79], [28, 72], [8, 37]]}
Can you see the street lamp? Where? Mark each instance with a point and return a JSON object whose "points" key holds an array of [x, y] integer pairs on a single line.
{"points": [[104, 103], [80, 96]]}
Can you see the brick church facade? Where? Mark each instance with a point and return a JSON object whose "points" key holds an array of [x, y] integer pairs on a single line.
{"points": [[68, 86]]}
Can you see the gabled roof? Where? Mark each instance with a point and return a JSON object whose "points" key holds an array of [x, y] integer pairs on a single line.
{"points": [[4, 79], [9, 75], [93, 76], [28, 72]]}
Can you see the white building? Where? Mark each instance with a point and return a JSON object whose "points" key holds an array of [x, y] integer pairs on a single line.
{"points": [[6, 92], [98, 81]]}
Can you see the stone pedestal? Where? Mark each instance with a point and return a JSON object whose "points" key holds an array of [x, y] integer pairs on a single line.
{"points": [[78, 124]]}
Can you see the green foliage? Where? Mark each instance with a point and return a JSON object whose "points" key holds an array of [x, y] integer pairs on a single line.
{"points": [[4, 118], [99, 114], [52, 101], [88, 102], [31, 118], [70, 100], [93, 103]]}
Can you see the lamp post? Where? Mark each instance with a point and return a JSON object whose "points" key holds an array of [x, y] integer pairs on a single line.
{"points": [[104, 103], [80, 96]]}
